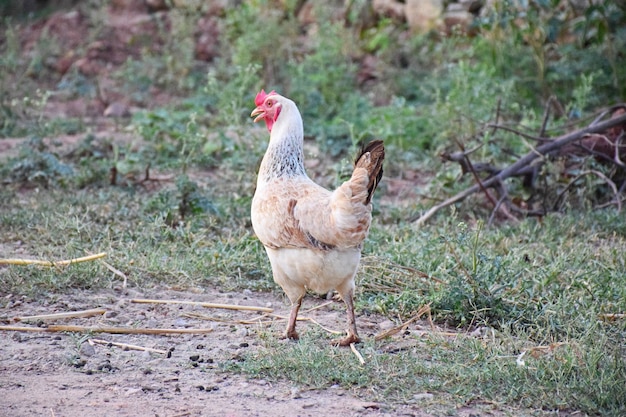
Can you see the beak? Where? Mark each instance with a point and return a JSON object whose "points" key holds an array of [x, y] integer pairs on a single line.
{"points": [[259, 113]]}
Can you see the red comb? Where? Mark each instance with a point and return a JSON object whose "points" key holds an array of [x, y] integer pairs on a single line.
{"points": [[260, 98]]}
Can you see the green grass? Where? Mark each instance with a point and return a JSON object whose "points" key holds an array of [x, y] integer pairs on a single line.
{"points": [[458, 370], [527, 285], [532, 285]]}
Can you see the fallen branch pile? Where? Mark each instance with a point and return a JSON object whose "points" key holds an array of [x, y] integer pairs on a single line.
{"points": [[602, 139]]}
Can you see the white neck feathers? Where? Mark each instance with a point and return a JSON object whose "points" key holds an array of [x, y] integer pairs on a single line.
{"points": [[284, 156]]}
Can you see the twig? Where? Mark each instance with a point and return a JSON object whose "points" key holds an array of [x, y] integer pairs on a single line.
{"points": [[112, 330], [318, 307], [468, 163], [546, 116], [201, 304], [606, 112], [68, 315], [518, 132], [425, 309], [612, 316], [51, 263], [126, 346], [357, 354], [504, 196], [308, 319], [497, 118], [611, 184], [256, 320], [116, 272], [512, 169]]}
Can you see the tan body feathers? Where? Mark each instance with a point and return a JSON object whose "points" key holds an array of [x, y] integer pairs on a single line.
{"points": [[313, 237]]}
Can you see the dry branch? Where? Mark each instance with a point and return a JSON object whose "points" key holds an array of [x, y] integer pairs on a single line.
{"points": [[425, 309], [612, 316], [126, 346], [116, 272], [357, 353], [256, 320], [201, 304], [111, 330], [51, 263], [526, 161], [308, 319], [68, 315]]}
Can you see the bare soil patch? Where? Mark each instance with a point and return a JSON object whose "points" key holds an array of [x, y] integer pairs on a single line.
{"points": [[61, 374]]}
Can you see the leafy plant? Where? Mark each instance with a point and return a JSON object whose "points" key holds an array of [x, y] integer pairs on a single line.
{"points": [[37, 165]]}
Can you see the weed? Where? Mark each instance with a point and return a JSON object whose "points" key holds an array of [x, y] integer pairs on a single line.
{"points": [[36, 165]]}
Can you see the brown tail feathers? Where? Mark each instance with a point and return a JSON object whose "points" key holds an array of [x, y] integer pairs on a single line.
{"points": [[371, 158]]}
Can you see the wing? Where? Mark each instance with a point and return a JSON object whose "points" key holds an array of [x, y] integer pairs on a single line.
{"points": [[301, 214]]}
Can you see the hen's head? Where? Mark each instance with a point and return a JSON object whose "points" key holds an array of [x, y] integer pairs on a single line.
{"points": [[268, 107]]}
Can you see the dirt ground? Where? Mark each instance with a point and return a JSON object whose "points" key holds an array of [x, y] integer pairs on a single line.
{"points": [[63, 374]]}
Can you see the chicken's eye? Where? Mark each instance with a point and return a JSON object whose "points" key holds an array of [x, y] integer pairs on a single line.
{"points": [[270, 103]]}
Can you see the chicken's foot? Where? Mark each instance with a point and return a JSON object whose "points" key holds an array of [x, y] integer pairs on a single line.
{"points": [[291, 325], [353, 336]]}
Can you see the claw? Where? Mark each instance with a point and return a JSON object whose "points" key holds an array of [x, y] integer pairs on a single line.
{"points": [[347, 341]]}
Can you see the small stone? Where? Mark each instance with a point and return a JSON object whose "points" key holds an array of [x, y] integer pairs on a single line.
{"points": [[295, 393], [105, 366], [132, 391], [87, 350], [181, 323]]}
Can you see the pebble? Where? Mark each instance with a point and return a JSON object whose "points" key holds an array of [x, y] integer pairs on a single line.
{"points": [[386, 325], [181, 323], [295, 393], [110, 314], [87, 350], [132, 391]]}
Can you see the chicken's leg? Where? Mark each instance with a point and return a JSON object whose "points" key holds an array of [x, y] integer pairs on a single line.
{"points": [[353, 336], [293, 317]]}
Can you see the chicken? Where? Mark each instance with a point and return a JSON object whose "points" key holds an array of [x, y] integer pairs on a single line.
{"points": [[313, 237]]}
